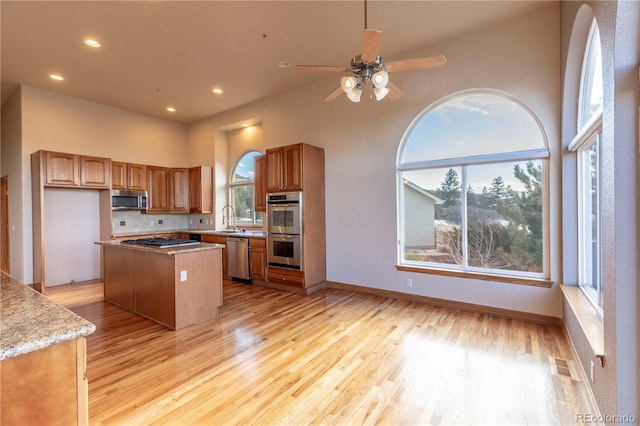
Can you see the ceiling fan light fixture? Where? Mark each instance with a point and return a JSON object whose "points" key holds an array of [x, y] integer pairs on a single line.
{"points": [[380, 79], [348, 83], [380, 92], [355, 93]]}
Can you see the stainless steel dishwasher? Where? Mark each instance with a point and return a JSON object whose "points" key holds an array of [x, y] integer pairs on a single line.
{"points": [[238, 258]]}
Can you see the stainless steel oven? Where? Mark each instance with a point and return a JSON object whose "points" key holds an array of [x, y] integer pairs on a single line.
{"points": [[284, 213], [284, 251]]}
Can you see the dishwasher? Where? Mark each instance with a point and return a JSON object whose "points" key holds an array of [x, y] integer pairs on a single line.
{"points": [[238, 258]]}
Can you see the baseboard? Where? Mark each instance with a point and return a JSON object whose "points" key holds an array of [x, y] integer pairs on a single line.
{"points": [[451, 304], [300, 290]]}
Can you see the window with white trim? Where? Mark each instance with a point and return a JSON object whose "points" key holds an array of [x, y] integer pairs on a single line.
{"points": [[472, 187], [241, 188], [587, 145]]}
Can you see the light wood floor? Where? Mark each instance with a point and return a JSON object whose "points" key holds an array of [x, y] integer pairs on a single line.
{"points": [[335, 357]]}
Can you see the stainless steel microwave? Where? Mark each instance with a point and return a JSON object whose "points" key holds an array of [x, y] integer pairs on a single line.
{"points": [[128, 200]]}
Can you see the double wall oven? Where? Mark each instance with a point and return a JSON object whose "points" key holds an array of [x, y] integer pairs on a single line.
{"points": [[284, 229]]}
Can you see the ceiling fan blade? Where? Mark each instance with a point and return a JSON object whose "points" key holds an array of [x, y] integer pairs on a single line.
{"points": [[333, 95], [394, 92], [326, 68], [371, 41], [416, 64]]}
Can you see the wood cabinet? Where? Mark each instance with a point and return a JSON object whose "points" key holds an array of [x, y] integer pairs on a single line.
{"points": [[70, 170], [258, 258], [260, 183], [179, 190], [287, 277], [201, 189], [284, 168], [128, 176], [158, 191], [119, 274], [218, 239], [46, 386]]}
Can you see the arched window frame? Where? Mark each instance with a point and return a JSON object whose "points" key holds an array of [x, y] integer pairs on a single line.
{"points": [[463, 162], [245, 214], [587, 144]]}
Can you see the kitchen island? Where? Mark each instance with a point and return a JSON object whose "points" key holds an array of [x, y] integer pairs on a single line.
{"points": [[176, 286], [42, 359]]}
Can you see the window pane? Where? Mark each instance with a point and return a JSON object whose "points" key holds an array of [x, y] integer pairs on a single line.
{"points": [[242, 196], [470, 125], [591, 220], [244, 169], [591, 91], [432, 216], [504, 216]]}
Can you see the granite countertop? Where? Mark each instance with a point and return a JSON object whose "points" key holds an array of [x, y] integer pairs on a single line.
{"points": [[29, 321], [242, 233], [167, 251]]}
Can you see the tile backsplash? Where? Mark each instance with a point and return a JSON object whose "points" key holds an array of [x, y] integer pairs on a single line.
{"points": [[132, 221]]}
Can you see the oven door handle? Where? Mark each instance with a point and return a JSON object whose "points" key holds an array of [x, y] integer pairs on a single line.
{"points": [[283, 205], [284, 237]]}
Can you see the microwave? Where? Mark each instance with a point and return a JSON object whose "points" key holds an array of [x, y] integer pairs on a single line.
{"points": [[128, 200]]}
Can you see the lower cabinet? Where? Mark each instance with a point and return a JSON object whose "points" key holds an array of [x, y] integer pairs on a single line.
{"points": [[285, 276], [258, 257], [53, 379]]}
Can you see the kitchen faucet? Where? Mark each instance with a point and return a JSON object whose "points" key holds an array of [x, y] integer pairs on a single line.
{"points": [[228, 207]]}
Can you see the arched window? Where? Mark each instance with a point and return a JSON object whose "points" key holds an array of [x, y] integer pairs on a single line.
{"points": [[587, 145], [472, 187], [242, 191]]}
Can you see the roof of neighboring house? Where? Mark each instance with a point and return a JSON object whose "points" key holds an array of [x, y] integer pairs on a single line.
{"points": [[421, 190]]}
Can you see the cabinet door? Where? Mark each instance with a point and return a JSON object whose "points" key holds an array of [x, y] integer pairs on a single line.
{"points": [[95, 172], [158, 197], [179, 191], [118, 175], [137, 176], [62, 169], [260, 183], [274, 170], [258, 258], [292, 168], [201, 189]]}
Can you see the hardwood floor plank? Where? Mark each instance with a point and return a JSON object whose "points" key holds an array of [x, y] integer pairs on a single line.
{"points": [[334, 357]]}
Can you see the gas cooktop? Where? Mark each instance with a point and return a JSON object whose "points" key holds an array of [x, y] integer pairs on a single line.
{"points": [[160, 242]]}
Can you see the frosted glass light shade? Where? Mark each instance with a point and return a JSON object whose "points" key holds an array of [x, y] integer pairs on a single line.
{"points": [[348, 83], [380, 92], [380, 79], [354, 94]]}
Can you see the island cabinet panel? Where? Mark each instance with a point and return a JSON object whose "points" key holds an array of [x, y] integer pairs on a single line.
{"points": [[155, 283], [51, 378], [196, 299], [217, 239], [118, 272]]}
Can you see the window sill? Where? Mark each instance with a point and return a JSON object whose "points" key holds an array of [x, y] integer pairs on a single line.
{"points": [[537, 282], [587, 317]]}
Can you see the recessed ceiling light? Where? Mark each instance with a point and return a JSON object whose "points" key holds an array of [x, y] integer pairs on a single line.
{"points": [[283, 64], [217, 90], [92, 43], [171, 109], [57, 77], [245, 125]]}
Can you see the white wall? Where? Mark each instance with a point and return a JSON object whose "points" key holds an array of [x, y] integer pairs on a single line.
{"points": [[361, 142]]}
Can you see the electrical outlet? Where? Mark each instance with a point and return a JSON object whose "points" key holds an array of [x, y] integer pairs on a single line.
{"points": [[200, 220], [183, 275], [160, 221], [122, 223], [409, 282], [67, 226], [190, 221], [151, 223]]}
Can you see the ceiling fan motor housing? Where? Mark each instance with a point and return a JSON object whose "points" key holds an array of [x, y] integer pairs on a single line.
{"points": [[365, 70]]}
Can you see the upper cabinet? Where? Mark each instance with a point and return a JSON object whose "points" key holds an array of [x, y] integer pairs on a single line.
{"points": [[158, 188], [260, 183], [70, 170], [284, 168], [294, 167], [179, 191], [128, 176], [201, 189]]}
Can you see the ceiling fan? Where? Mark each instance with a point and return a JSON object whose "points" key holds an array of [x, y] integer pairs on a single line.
{"points": [[369, 67]]}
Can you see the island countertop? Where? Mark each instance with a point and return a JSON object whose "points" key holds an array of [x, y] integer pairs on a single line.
{"points": [[167, 251], [29, 321]]}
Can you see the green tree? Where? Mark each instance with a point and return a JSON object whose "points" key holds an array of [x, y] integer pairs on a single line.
{"points": [[449, 191]]}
